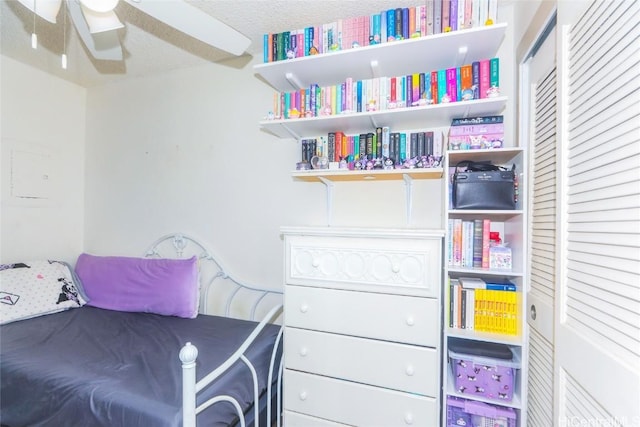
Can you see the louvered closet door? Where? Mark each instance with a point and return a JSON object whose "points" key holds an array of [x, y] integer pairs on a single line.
{"points": [[598, 318], [541, 78]]}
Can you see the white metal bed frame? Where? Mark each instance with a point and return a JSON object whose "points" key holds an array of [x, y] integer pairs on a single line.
{"points": [[231, 302]]}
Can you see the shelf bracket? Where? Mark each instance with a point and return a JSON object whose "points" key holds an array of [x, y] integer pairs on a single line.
{"points": [[375, 68], [329, 185], [290, 132], [462, 54], [293, 81], [408, 182]]}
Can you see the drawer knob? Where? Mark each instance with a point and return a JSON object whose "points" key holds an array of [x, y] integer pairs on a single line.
{"points": [[303, 395], [315, 263], [408, 418], [409, 371], [303, 351], [304, 308], [410, 321], [395, 268]]}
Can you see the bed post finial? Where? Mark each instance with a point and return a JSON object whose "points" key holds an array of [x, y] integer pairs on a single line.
{"points": [[179, 242], [188, 355]]}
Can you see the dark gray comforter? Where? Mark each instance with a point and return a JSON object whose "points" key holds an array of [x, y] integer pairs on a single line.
{"points": [[95, 367]]}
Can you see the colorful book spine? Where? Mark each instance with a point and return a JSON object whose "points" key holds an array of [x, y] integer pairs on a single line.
{"points": [[453, 15], [452, 84], [434, 87], [442, 85], [466, 82], [446, 10], [494, 72], [477, 243], [437, 17], [486, 229], [485, 77], [391, 25], [457, 243], [484, 120]]}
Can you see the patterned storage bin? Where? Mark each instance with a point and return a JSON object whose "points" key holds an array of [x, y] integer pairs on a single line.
{"points": [[485, 377], [469, 413]]}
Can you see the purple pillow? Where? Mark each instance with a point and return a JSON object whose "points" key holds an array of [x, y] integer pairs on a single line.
{"points": [[149, 285]]}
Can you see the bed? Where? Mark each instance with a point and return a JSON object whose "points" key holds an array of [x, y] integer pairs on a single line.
{"points": [[93, 365]]}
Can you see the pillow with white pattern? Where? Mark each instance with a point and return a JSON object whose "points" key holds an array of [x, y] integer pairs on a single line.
{"points": [[36, 288]]}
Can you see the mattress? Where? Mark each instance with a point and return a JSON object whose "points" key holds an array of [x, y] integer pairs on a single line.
{"points": [[96, 367]]}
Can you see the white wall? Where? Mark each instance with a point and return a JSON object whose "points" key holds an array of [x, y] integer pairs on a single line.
{"points": [[42, 122], [184, 152]]}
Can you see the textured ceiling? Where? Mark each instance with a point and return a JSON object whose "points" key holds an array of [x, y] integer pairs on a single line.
{"points": [[151, 47]]}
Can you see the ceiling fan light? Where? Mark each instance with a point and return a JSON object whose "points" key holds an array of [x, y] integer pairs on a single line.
{"points": [[99, 22], [100, 5], [47, 9]]}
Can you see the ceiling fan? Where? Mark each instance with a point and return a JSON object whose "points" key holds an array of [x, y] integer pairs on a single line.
{"points": [[97, 23]]}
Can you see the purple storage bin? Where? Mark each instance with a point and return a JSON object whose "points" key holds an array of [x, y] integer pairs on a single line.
{"points": [[483, 376], [469, 413]]}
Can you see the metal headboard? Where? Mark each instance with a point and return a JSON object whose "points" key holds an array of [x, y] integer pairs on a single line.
{"points": [[220, 293]]}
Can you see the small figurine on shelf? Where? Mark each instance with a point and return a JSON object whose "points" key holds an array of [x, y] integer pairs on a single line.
{"points": [[343, 163], [467, 94], [357, 165], [377, 164], [445, 99], [369, 165], [371, 105], [409, 163], [313, 51], [270, 116], [388, 163], [493, 91], [294, 113]]}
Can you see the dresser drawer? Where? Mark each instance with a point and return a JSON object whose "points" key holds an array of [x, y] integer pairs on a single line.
{"points": [[405, 266], [293, 419], [411, 320], [356, 404], [379, 363]]}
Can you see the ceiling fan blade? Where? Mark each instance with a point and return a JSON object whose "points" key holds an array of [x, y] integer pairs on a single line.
{"points": [[47, 9], [104, 46], [194, 22]]}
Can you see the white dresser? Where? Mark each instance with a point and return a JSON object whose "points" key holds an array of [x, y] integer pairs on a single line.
{"points": [[362, 327]]}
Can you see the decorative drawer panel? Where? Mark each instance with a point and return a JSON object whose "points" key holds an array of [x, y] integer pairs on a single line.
{"points": [[404, 319], [400, 265], [293, 419], [356, 404], [379, 363]]}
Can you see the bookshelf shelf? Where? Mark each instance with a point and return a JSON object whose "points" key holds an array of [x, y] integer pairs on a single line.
{"points": [[367, 175], [385, 59], [401, 118]]}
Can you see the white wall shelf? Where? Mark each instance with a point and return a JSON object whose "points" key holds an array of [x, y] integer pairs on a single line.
{"points": [[419, 117], [416, 55]]}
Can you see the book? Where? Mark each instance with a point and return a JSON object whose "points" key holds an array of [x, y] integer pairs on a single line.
{"points": [[437, 17], [385, 141], [434, 87], [470, 314], [428, 8], [464, 121], [453, 15], [485, 78], [442, 84], [494, 72], [399, 23], [477, 243], [452, 84], [457, 243], [466, 82], [486, 229], [472, 282], [467, 244], [391, 25], [446, 10]]}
